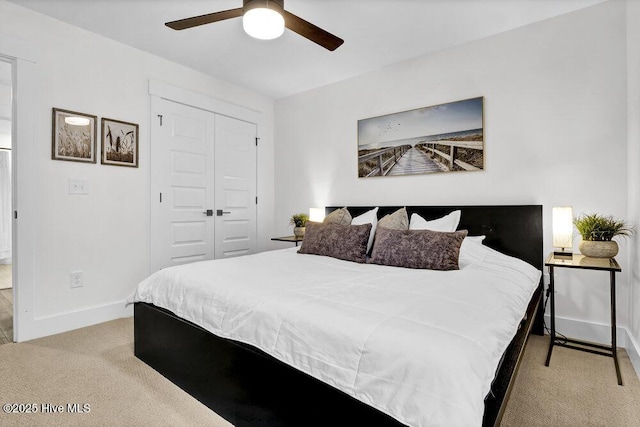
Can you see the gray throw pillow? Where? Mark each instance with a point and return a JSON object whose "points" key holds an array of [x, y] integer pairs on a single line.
{"points": [[339, 216], [433, 250], [399, 220], [347, 242]]}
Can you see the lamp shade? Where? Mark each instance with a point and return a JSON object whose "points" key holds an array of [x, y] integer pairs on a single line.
{"points": [[562, 220], [316, 214], [263, 23]]}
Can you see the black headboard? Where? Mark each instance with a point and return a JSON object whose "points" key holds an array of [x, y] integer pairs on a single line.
{"points": [[514, 230]]}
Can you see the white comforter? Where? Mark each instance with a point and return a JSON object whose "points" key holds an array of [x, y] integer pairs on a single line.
{"points": [[422, 346]]}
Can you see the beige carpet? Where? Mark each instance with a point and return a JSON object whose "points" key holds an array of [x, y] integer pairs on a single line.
{"points": [[577, 389], [96, 366], [93, 365]]}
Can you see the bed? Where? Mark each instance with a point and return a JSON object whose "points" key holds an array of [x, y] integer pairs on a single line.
{"points": [[247, 386]]}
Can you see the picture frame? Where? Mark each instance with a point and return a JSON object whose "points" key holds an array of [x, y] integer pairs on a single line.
{"points": [[440, 138], [73, 136], [119, 143]]}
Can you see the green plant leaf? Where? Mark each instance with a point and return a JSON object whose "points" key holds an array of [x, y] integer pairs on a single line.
{"points": [[299, 219], [597, 227]]}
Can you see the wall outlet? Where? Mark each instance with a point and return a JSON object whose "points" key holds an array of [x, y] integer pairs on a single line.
{"points": [[78, 186], [76, 279]]}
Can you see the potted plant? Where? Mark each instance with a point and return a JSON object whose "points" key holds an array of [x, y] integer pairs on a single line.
{"points": [[299, 221], [597, 232]]}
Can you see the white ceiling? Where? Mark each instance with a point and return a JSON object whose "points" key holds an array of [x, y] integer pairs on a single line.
{"points": [[377, 33]]}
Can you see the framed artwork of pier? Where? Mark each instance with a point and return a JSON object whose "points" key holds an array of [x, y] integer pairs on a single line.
{"points": [[440, 138]]}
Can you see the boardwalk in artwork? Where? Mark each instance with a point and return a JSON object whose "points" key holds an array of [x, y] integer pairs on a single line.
{"points": [[415, 161]]}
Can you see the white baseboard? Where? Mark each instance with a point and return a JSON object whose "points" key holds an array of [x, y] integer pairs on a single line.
{"points": [[599, 333], [633, 350], [50, 325]]}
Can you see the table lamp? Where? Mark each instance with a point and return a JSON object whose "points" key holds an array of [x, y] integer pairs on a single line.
{"points": [[562, 220], [316, 214]]}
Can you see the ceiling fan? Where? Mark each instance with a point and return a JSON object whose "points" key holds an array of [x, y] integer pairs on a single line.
{"points": [[264, 19]]}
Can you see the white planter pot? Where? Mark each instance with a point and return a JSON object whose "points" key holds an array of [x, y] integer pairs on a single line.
{"points": [[298, 231]]}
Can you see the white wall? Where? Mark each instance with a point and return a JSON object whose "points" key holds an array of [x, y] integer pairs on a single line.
{"points": [[633, 129], [555, 134], [106, 233]]}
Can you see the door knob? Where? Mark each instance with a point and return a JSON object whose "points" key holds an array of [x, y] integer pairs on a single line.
{"points": [[220, 212]]}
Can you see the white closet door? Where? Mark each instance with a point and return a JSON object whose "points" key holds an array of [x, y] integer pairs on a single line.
{"points": [[182, 185], [203, 185], [235, 191]]}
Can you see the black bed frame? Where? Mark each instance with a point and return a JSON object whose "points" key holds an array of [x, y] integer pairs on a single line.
{"points": [[247, 387]]}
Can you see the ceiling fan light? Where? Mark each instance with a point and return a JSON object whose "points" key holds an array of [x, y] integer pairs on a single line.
{"points": [[77, 121], [263, 23]]}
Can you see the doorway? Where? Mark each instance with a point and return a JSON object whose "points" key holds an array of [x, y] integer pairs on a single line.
{"points": [[6, 254]]}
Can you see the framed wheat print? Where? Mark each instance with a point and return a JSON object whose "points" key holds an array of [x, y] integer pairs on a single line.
{"points": [[73, 137], [119, 143]]}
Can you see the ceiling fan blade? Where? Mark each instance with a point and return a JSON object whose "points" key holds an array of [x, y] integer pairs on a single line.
{"points": [[183, 24], [311, 32]]}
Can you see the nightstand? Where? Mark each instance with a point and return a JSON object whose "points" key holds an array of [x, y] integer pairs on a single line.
{"points": [[585, 263], [292, 239]]}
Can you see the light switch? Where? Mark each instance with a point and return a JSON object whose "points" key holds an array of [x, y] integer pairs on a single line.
{"points": [[78, 186]]}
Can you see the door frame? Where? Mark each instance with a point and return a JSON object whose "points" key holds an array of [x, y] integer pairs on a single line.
{"points": [[23, 56], [161, 90]]}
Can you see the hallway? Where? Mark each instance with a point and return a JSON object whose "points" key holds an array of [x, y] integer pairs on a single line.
{"points": [[6, 304], [6, 316]]}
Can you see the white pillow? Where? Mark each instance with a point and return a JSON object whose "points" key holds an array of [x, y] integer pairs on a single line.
{"points": [[475, 239], [472, 251], [448, 223], [369, 217]]}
